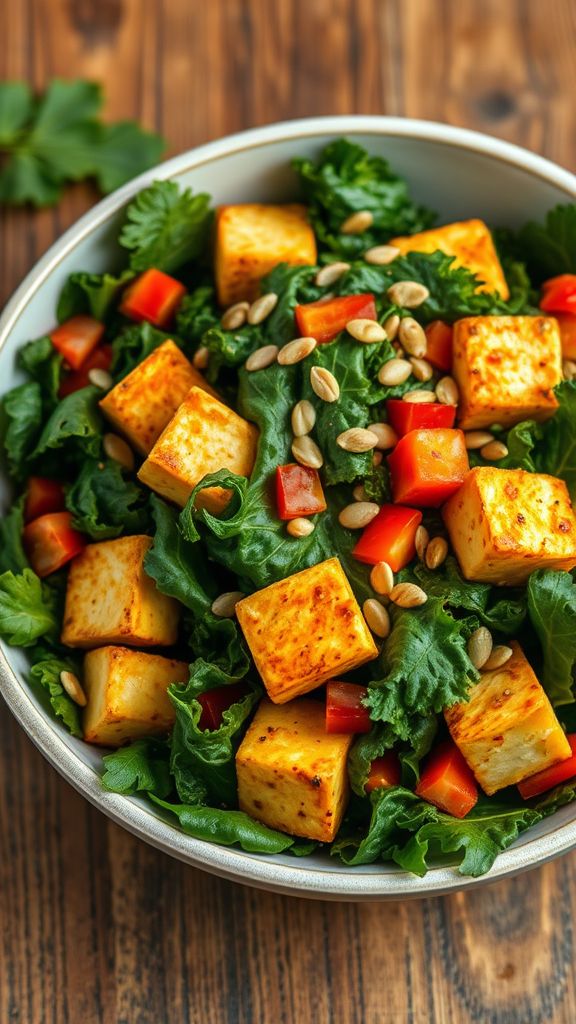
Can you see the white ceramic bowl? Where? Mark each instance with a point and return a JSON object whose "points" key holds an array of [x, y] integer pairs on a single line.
{"points": [[459, 173]]}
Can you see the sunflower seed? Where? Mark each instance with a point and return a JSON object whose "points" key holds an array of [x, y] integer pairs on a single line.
{"points": [[303, 418], [235, 316], [377, 617], [116, 449], [300, 527], [479, 646], [380, 255], [408, 294], [421, 540], [262, 308], [395, 371], [261, 358], [357, 439], [419, 396], [100, 379], [421, 369], [324, 384], [494, 451], [329, 274], [307, 452], [387, 436], [225, 605], [357, 223], [359, 493], [447, 391], [569, 369], [201, 357], [408, 595], [295, 351], [436, 552], [382, 578], [412, 337], [499, 656], [73, 688], [391, 325], [474, 439], [367, 331], [358, 515]]}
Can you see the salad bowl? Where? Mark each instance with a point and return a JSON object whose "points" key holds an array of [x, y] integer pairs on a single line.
{"points": [[458, 173]]}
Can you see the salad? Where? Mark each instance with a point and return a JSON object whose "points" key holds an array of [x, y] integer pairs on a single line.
{"points": [[291, 535]]}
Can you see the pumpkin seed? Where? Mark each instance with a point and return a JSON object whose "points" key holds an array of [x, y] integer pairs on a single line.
{"points": [[479, 646], [73, 688], [303, 418], [295, 351], [367, 331], [499, 656], [225, 605], [382, 578], [494, 451], [436, 552], [377, 617], [116, 449], [235, 316], [408, 595], [474, 439], [412, 337], [261, 358], [358, 515], [381, 255], [330, 273], [324, 384], [357, 223], [201, 357], [300, 527], [262, 308], [447, 391], [395, 371], [408, 294], [357, 439], [307, 452], [421, 540], [387, 436]]}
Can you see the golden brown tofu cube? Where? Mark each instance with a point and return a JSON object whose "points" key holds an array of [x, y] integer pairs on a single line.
{"points": [[127, 695], [506, 368], [143, 404], [505, 523], [251, 239], [203, 436], [110, 599], [304, 630], [470, 242], [291, 773], [507, 730]]}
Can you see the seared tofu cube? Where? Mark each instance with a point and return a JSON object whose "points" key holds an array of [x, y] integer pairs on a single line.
{"points": [[470, 242], [142, 404], [291, 773], [251, 239], [202, 437], [127, 695], [304, 630], [505, 523], [506, 368], [507, 730], [110, 599]]}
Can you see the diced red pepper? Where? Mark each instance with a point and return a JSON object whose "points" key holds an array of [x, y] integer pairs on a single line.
{"points": [[427, 466], [215, 702], [447, 781], [345, 712], [101, 359], [77, 338], [567, 325], [50, 542], [325, 319], [390, 537], [43, 496], [298, 491], [154, 296], [385, 771], [550, 777], [559, 294], [439, 345], [407, 416]]}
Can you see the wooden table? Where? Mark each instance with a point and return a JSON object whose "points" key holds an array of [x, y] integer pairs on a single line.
{"points": [[94, 925]]}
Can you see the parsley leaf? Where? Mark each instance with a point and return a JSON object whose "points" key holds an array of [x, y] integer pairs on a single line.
{"points": [[166, 227], [552, 608]]}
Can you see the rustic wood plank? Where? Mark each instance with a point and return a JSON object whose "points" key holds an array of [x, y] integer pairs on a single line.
{"points": [[97, 927]]}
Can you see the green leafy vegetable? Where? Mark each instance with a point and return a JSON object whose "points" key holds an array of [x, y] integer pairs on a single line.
{"points": [[501, 613], [58, 138], [90, 293], [134, 344], [45, 674], [23, 415], [75, 425], [557, 453], [166, 227], [40, 360], [143, 766], [229, 828], [197, 313], [12, 555], [104, 504], [27, 609], [552, 609], [549, 249], [178, 568]]}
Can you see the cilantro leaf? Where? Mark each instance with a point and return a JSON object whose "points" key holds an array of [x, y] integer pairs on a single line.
{"points": [[143, 766], [27, 609], [552, 609], [16, 104], [124, 151], [166, 227]]}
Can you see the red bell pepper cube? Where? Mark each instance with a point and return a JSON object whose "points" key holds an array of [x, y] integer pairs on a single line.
{"points": [[567, 325], [390, 537], [325, 319], [77, 338], [384, 772], [215, 702], [298, 492], [447, 781], [154, 296], [50, 542], [43, 496], [101, 359], [559, 294], [439, 347], [550, 777], [407, 416], [345, 712], [427, 466]]}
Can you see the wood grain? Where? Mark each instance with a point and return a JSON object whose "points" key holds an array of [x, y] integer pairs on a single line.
{"points": [[95, 926]]}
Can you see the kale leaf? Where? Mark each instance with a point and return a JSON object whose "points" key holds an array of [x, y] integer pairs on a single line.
{"points": [[552, 609], [104, 504]]}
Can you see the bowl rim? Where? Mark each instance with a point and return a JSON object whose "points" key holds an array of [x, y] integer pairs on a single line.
{"points": [[135, 814]]}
